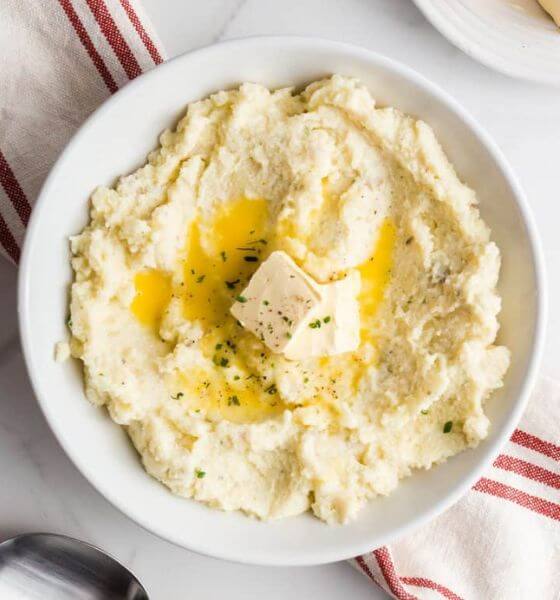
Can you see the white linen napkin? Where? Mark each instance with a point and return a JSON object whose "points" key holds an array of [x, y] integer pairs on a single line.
{"points": [[59, 59]]}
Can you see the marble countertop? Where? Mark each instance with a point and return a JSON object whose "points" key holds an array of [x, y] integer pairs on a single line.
{"points": [[42, 491]]}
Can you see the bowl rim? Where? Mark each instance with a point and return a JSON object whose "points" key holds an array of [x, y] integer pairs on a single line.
{"points": [[477, 52], [491, 449]]}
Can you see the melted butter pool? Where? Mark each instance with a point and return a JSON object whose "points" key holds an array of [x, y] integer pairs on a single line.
{"points": [[153, 293], [376, 274], [221, 254]]}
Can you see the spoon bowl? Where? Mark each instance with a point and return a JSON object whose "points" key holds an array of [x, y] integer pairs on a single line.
{"points": [[47, 566]]}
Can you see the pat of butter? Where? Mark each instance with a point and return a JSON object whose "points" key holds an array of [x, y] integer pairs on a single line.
{"points": [[333, 327], [294, 315], [275, 304]]}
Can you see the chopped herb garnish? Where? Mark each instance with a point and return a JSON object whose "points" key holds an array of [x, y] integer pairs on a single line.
{"points": [[224, 362], [271, 389], [241, 299], [326, 319], [200, 474], [447, 427], [250, 258], [69, 322], [223, 255], [232, 284], [424, 412], [236, 377], [288, 335], [233, 401], [200, 279], [409, 240], [266, 302], [315, 324], [177, 396], [219, 346]]}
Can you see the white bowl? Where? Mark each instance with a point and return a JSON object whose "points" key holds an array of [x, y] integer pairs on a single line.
{"points": [[115, 140], [516, 37]]}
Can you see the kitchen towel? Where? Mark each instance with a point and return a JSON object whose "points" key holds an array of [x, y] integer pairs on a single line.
{"points": [[59, 59], [499, 542]]}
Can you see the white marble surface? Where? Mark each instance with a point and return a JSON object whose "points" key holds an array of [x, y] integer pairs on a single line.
{"points": [[42, 491]]}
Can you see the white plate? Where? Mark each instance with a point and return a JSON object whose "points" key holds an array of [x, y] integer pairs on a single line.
{"points": [[516, 37], [115, 140]]}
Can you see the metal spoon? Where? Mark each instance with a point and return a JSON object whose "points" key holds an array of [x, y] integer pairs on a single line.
{"points": [[46, 566]]}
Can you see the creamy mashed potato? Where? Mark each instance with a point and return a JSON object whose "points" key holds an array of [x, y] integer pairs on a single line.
{"points": [[342, 187]]}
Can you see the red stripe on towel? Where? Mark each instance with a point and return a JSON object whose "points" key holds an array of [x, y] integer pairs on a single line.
{"points": [[146, 40], [431, 585], [527, 440], [8, 241], [385, 562], [527, 469], [114, 37], [88, 45], [534, 503], [365, 568], [13, 190]]}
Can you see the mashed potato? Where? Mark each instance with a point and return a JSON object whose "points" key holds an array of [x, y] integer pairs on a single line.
{"points": [[342, 187]]}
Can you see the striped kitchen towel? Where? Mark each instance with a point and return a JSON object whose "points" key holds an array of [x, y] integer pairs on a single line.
{"points": [[59, 59], [502, 540]]}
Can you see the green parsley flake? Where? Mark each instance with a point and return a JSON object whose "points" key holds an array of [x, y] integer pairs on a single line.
{"points": [[271, 389], [200, 474], [223, 255], [177, 396], [233, 401], [315, 324], [266, 302], [200, 279], [326, 320], [241, 299], [219, 346], [224, 362], [424, 412], [447, 427]]}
